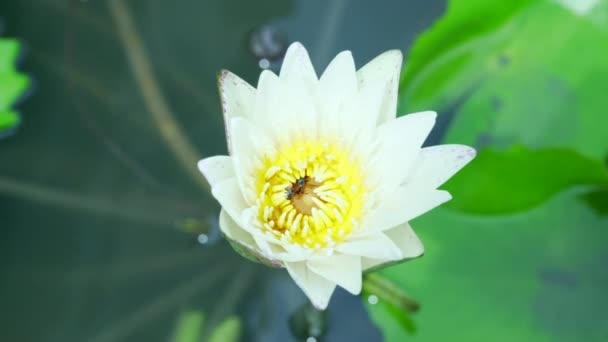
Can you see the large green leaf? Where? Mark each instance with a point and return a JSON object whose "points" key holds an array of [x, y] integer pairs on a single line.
{"points": [[520, 178], [518, 72], [537, 276], [530, 72]]}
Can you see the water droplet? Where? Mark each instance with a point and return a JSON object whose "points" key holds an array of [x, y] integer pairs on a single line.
{"points": [[264, 63], [503, 60], [203, 239], [372, 299], [311, 339], [268, 43]]}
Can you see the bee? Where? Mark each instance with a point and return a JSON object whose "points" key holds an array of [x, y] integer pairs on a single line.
{"points": [[296, 188], [289, 192], [301, 182]]}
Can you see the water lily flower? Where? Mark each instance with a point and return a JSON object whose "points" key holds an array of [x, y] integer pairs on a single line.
{"points": [[322, 177]]}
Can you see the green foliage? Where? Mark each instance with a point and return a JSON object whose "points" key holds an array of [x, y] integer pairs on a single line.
{"points": [[519, 254], [191, 323], [228, 331], [189, 327], [530, 72], [12, 84], [520, 178], [535, 276]]}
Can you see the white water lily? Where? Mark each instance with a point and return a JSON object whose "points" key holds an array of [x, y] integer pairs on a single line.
{"points": [[322, 178]]}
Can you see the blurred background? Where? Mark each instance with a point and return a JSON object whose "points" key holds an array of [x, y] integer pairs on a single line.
{"points": [[109, 232]]}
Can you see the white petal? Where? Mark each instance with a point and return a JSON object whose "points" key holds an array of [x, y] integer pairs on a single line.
{"points": [[377, 246], [238, 98], [386, 68], [317, 288], [403, 205], [235, 232], [399, 144], [437, 164], [358, 120], [249, 146], [228, 193], [337, 87], [270, 246], [406, 240], [344, 270], [216, 168], [246, 243], [297, 66], [267, 98], [296, 115]]}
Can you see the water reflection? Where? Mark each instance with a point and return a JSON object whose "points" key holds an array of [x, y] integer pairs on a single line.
{"points": [[108, 234]]}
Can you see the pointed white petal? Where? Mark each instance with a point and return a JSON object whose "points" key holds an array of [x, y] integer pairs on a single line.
{"points": [[399, 143], [406, 240], [238, 98], [344, 270], [228, 193], [267, 99], [357, 125], [296, 115], [216, 168], [244, 243], [337, 88], [316, 288], [249, 144], [233, 231], [270, 246], [377, 246], [437, 164], [297, 66], [386, 68], [367, 263], [403, 205]]}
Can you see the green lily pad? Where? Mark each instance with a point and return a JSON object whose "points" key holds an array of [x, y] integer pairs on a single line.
{"points": [[507, 80], [8, 119], [9, 50], [12, 84], [519, 178], [530, 74], [536, 276]]}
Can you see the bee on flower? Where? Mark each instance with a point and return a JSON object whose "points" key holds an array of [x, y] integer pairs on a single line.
{"points": [[322, 177]]}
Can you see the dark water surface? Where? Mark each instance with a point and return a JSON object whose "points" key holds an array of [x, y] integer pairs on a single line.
{"points": [[101, 209]]}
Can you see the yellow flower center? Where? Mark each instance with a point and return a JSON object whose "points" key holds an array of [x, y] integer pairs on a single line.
{"points": [[310, 194]]}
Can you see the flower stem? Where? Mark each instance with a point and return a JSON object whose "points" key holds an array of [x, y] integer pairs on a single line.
{"points": [[308, 321], [385, 289], [154, 100]]}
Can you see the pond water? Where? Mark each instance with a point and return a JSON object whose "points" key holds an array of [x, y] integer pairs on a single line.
{"points": [[108, 232]]}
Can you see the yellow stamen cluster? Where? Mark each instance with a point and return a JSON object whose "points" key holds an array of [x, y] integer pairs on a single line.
{"points": [[309, 194]]}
